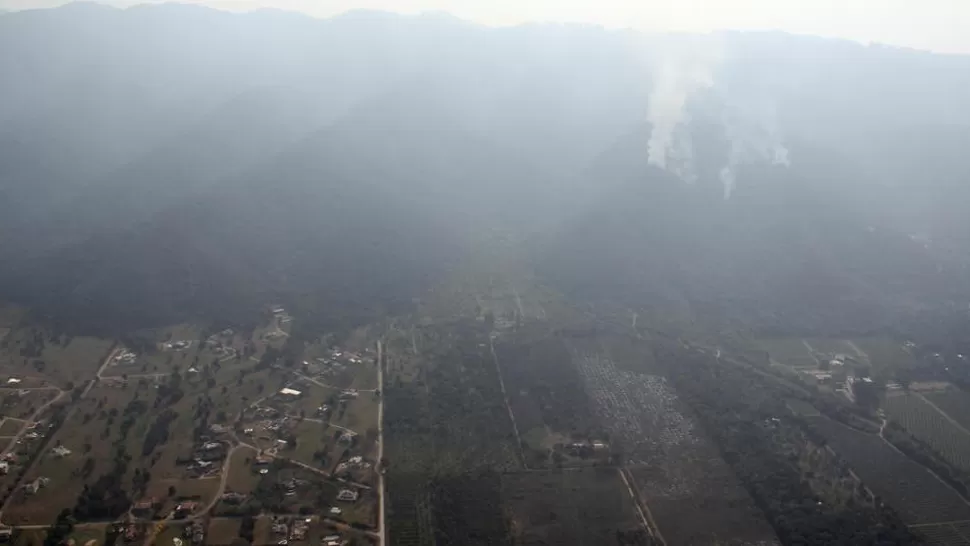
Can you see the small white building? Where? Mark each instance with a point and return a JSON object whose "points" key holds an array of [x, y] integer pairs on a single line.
{"points": [[290, 392]]}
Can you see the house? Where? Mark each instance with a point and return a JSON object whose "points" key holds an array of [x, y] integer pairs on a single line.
{"points": [[143, 507], [290, 392], [36, 485], [233, 497], [61, 451], [4, 468], [348, 495], [335, 511], [349, 393], [186, 507], [208, 446], [13, 381]]}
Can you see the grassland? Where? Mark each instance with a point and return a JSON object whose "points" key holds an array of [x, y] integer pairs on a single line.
{"points": [[123, 414], [222, 531], [21, 404]]}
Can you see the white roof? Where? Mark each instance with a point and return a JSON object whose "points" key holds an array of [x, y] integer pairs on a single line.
{"points": [[13, 380], [287, 390]]}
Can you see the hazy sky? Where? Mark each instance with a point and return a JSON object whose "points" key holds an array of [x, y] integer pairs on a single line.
{"points": [[938, 25]]}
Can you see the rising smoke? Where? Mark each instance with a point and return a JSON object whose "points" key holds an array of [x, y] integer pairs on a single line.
{"points": [[680, 70]]}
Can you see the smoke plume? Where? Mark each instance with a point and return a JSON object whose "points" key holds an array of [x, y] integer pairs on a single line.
{"points": [[683, 66], [680, 68]]}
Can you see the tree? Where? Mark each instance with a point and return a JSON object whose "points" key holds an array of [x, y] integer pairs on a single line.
{"points": [[866, 394]]}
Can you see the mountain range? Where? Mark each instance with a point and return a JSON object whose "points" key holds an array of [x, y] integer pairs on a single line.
{"points": [[167, 161]]}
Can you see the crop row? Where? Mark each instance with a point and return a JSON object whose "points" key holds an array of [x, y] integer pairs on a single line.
{"points": [[931, 427]]}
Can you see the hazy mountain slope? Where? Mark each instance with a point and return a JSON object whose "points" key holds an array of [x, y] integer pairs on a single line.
{"points": [[170, 160], [788, 252]]}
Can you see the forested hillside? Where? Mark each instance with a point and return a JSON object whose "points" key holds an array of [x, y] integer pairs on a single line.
{"points": [[165, 161]]}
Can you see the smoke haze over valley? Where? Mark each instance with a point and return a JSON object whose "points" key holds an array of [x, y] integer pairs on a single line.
{"points": [[185, 155], [410, 279]]}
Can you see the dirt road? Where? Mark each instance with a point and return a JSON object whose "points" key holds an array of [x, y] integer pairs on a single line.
{"points": [[381, 493]]}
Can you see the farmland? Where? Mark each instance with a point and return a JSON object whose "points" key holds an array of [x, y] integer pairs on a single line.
{"points": [[445, 417], [579, 506], [789, 351], [918, 496], [925, 423], [885, 353], [693, 494], [547, 396], [954, 402], [946, 534]]}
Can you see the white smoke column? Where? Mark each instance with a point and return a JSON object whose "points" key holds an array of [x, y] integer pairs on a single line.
{"points": [[680, 66], [750, 125]]}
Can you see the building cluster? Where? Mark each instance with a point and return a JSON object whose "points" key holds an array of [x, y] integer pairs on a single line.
{"points": [[348, 495], [124, 357], [221, 344], [292, 530], [354, 463], [206, 457], [195, 532], [180, 345], [36, 485], [336, 362]]}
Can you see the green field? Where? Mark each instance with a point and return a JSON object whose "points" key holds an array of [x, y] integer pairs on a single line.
{"points": [[21, 406], [789, 351], [925, 423], [63, 360], [10, 427], [885, 353], [829, 346], [954, 402], [575, 507], [222, 531]]}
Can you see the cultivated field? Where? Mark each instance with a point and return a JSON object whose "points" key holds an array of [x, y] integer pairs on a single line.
{"points": [[789, 351], [692, 493], [578, 506], [945, 534], [885, 353], [924, 422], [954, 402], [917, 495]]}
